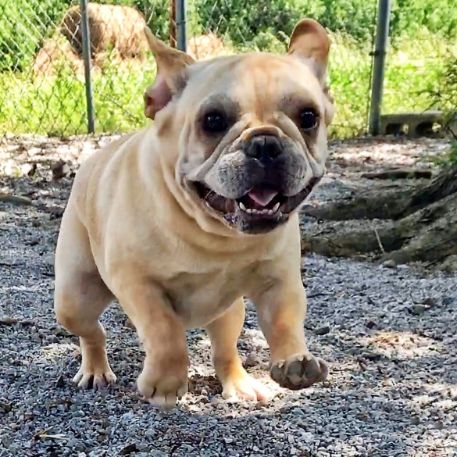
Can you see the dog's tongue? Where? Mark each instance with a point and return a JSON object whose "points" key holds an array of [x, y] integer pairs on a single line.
{"points": [[262, 196]]}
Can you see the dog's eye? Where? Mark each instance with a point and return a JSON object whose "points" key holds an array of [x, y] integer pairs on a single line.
{"points": [[215, 122], [308, 119]]}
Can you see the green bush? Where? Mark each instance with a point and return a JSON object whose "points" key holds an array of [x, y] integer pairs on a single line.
{"points": [[24, 25], [243, 21], [413, 16]]}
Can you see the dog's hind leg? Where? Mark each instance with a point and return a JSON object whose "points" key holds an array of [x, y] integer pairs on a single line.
{"points": [[224, 332], [80, 298]]}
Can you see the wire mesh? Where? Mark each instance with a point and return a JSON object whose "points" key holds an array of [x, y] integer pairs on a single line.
{"points": [[42, 85]]}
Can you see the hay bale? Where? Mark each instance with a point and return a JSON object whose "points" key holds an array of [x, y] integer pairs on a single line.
{"points": [[207, 46], [112, 27], [56, 53]]}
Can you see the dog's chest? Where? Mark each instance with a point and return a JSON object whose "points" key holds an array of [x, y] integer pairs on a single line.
{"points": [[200, 297]]}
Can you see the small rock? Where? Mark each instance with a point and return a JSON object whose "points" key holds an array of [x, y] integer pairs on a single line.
{"points": [[446, 301], [370, 324], [389, 263], [17, 200], [60, 382], [373, 356], [33, 241], [129, 449], [419, 309], [29, 169], [5, 406], [55, 212], [59, 170], [322, 330], [128, 323], [48, 259], [307, 437], [430, 301], [252, 360]]}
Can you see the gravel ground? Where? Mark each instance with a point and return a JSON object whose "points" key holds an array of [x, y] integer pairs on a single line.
{"points": [[389, 335]]}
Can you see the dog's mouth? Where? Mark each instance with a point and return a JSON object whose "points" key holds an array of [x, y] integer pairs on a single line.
{"points": [[262, 203]]}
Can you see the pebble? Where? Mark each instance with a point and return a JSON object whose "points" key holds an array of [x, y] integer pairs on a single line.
{"points": [[418, 310], [389, 263], [322, 330]]}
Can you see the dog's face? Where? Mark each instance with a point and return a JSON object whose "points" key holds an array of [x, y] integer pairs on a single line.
{"points": [[251, 128]]}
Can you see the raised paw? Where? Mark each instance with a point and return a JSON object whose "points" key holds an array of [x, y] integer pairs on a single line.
{"points": [[162, 391], [94, 378], [299, 371], [244, 387]]}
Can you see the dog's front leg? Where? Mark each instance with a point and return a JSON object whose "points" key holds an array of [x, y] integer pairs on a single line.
{"points": [[224, 332], [164, 375], [281, 311]]}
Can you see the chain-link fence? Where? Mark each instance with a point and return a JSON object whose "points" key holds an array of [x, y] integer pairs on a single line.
{"points": [[42, 83]]}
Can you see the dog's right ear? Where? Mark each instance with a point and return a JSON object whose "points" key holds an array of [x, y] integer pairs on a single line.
{"points": [[171, 74]]}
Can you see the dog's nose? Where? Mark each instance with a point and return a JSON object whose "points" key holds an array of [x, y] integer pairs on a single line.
{"points": [[264, 147]]}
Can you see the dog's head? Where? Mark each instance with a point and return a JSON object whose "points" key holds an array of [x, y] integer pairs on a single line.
{"points": [[250, 131]]}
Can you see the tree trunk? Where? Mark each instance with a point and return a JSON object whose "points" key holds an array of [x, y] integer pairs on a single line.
{"points": [[393, 204], [423, 226]]}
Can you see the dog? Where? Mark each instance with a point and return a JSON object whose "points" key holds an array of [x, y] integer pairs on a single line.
{"points": [[184, 218]]}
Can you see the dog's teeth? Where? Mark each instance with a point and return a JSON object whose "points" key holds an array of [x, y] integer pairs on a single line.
{"points": [[243, 208], [270, 211], [275, 208], [249, 211]]}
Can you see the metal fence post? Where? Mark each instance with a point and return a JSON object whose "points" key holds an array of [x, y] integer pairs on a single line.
{"points": [[181, 24], [379, 55], [85, 35]]}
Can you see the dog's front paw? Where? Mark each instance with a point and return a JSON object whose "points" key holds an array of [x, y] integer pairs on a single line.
{"points": [[163, 388], [95, 371], [299, 371]]}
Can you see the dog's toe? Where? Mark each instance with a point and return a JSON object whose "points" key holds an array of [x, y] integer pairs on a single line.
{"points": [[245, 388], [299, 371], [95, 379], [162, 393]]}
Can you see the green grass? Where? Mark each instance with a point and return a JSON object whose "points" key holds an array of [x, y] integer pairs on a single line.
{"points": [[55, 105]]}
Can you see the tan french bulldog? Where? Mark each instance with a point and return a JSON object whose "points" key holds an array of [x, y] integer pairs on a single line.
{"points": [[183, 219]]}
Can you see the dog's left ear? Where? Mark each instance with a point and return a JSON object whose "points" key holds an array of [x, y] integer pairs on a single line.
{"points": [[170, 77], [310, 42]]}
